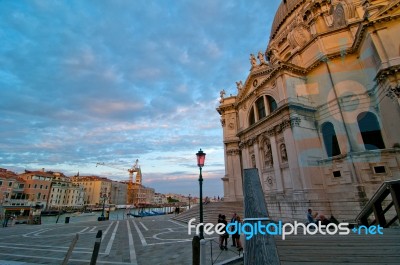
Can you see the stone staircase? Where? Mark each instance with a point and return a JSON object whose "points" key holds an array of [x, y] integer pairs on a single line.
{"points": [[340, 249], [211, 212], [305, 249]]}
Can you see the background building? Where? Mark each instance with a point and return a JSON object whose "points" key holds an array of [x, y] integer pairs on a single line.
{"points": [[37, 187], [319, 114], [119, 192], [160, 198], [142, 195], [96, 189], [64, 193]]}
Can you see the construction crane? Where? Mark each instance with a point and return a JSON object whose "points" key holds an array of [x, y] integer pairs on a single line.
{"points": [[138, 180]]}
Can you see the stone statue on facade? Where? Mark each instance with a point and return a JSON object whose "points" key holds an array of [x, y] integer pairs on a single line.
{"points": [[261, 58], [253, 161], [268, 155], [339, 18], [284, 153], [222, 122], [328, 17], [253, 60], [239, 86], [222, 94]]}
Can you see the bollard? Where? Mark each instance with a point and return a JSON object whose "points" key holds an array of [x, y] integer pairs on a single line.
{"points": [[96, 248], [203, 252], [196, 250]]}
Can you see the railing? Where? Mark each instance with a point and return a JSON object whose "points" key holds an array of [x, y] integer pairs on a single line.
{"points": [[375, 212], [16, 202], [215, 255]]}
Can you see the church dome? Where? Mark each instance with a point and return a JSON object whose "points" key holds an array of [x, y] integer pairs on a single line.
{"points": [[284, 10]]}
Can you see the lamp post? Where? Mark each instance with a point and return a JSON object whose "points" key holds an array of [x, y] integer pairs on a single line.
{"points": [[102, 218], [201, 157]]}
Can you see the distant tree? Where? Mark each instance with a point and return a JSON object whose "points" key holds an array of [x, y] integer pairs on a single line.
{"points": [[172, 200]]}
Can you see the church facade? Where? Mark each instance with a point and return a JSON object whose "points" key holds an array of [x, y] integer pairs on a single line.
{"points": [[319, 113]]}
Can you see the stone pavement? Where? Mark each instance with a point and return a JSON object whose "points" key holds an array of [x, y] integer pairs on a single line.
{"points": [[148, 240]]}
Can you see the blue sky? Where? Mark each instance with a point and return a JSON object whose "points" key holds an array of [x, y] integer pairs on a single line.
{"points": [[83, 82]]}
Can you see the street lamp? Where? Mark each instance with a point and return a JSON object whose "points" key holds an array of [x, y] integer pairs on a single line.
{"points": [[201, 157], [102, 218]]}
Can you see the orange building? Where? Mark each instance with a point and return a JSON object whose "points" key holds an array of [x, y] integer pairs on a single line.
{"points": [[37, 186], [7, 179], [96, 189]]}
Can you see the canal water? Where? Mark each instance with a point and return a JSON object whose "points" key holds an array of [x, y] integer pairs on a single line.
{"points": [[118, 214]]}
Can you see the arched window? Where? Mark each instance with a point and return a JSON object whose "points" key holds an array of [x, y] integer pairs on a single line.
{"points": [[271, 104], [252, 118], [370, 131], [330, 139], [260, 108]]}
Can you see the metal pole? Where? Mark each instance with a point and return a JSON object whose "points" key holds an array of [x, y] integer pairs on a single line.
{"points": [[104, 202], [201, 205], [203, 256], [196, 250], [96, 248]]}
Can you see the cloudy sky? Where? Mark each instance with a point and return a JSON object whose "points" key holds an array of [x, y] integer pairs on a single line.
{"points": [[85, 81]]}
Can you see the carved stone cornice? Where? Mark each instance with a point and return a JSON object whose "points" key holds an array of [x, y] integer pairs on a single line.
{"points": [[383, 74], [248, 142], [389, 80], [277, 112], [281, 66], [393, 92], [232, 152], [289, 123], [274, 130], [223, 108]]}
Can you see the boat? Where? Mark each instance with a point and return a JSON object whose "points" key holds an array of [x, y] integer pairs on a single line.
{"points": [[83, 214], [51, 213], [158, 213], [144, 214], [134, 215]]}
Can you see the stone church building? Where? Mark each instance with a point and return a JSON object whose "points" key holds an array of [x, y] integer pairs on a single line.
{"points": [[319, 113]]}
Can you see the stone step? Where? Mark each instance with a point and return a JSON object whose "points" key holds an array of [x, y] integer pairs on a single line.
{"points": [[211, 212]]}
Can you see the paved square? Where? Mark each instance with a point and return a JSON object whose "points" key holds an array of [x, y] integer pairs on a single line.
{"points": [[148, 240]]}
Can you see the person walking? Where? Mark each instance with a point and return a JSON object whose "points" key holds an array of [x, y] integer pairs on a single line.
{"points": [[237, 236], [223, 239]]}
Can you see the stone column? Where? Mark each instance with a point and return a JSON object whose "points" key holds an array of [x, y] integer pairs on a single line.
{"points": [[234, 177], [259, 162], [293, 162], [277, 168]]}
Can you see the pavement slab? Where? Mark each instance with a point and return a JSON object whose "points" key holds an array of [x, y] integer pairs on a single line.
{"points": [[148, 240]]}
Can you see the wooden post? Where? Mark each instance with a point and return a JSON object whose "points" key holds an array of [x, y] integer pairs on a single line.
{"points": [[96, 248], [71, 248], [395, 192], [260, 249], [196, 250], [378, 212]]}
